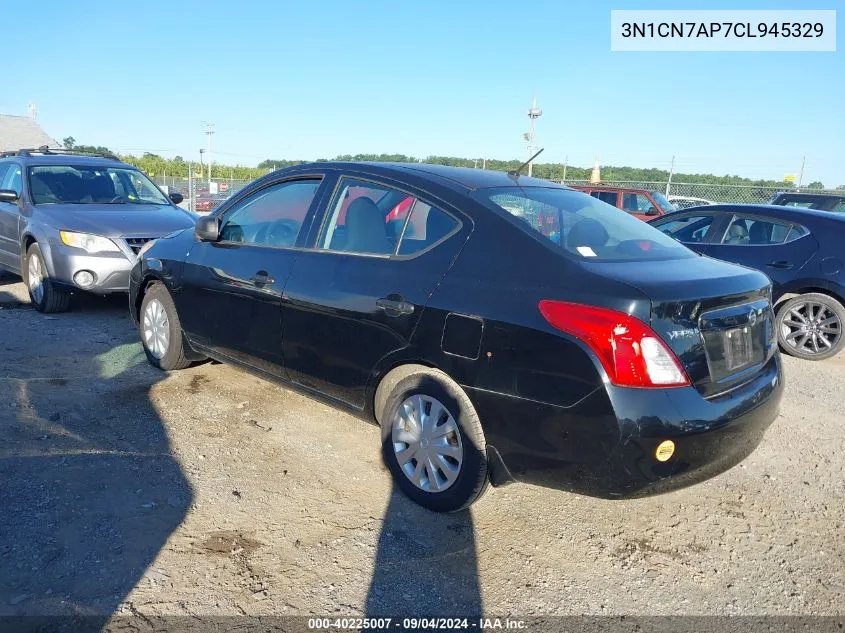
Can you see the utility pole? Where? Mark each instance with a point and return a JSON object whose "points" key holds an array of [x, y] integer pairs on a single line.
{"points": [[534, 113], [801, 175], [209, 131], [202, 170], [484, 163], [671, 171], [565, 162]]}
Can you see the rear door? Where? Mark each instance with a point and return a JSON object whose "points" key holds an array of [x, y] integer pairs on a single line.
{"points": [[776, 247], [230, 301], [357, 295]]}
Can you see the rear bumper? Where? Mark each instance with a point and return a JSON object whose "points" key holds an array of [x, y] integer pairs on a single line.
{"points": [[604, 445]]}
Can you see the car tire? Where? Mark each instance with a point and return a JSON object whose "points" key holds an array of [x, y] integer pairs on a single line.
{"points": [[161, 330], [452, 442], [44, 294], [810, 326]]}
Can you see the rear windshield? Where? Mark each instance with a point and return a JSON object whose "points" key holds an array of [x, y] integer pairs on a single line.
{"points": [[583, 226]]}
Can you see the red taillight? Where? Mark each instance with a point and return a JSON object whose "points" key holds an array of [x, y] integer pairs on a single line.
{"points": [[632, 354]]}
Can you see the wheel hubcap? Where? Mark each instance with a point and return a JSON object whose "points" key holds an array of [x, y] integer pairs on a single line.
{"points": [[427, 443], [156, 328], [811, 328], [35, 278]]}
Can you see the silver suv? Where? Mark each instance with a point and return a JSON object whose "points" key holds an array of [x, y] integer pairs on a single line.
{"points": [[77, 222]]}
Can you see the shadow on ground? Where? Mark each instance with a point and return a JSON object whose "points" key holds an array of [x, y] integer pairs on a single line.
{"points": [[90, 490], [426, 564]]}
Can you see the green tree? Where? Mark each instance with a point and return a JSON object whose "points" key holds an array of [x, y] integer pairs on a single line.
{"points": [[69, 142]]}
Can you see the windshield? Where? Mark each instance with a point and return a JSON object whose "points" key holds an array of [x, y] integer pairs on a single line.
{"points": [[67, 184], [664, 203], [583, 226]]}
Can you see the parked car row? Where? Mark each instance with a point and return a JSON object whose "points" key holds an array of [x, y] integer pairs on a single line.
{"points": [[498, 328]]}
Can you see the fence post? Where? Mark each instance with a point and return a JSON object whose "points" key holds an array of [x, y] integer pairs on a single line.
{"points": [[190, 186]]}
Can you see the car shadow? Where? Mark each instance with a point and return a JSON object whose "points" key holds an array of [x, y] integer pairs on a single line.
{"points": [[426, 564], [90, 488]]}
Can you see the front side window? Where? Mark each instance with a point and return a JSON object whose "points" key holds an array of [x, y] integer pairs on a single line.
{"points": [[83, 184], [690, 229], [272, 216], [372, 219], [636, 203], [581, 226]]}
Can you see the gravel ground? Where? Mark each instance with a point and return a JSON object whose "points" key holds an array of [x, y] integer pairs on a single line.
{"points": [[208, 491]]}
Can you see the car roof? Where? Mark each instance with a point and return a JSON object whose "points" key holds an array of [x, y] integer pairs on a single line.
{"points": [[56, 159], [613, 188], [465, 178], [809, 194], [771, 210]]}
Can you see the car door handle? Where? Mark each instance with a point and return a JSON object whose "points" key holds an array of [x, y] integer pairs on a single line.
{"points": [[780, 264], [261, 278], [398, 307]]}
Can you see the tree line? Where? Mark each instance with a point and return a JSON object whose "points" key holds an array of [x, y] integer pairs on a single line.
{"points": [[177, 167]]}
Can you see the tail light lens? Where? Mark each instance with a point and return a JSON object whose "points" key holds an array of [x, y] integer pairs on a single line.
{"points": [[632, 354]]}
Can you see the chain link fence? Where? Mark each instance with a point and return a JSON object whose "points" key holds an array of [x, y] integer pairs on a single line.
{"points": [[201, 195], [712, 192]]}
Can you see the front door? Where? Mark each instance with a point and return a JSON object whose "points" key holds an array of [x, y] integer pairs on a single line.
{"points": [[357, 296], [10, 245], [231, 299]]}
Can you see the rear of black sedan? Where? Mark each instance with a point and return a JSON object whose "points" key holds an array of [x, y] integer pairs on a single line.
{"points": [[558, 341], [614, 362]]}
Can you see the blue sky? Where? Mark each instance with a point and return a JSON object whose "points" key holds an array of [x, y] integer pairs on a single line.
{"points": [[307, 80]]}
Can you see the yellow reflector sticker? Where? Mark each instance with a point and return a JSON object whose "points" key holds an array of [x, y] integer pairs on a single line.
{"points": [[665, 450]]}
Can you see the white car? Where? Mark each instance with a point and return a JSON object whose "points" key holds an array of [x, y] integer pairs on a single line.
{"points": [[686, 202]]}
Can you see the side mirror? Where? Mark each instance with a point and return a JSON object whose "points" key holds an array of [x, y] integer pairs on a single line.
{"points": [[207, 229], [176, 198], [7, 195], [652, 211]]}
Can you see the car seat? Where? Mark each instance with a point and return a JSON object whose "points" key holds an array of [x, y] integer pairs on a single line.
{"points": [[737, 233], [101, 189], [760, 233], [587, 232], [365, 228]]}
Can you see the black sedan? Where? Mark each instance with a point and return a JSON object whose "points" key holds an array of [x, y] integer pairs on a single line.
{"points": [[801, 250], [498, 328]]}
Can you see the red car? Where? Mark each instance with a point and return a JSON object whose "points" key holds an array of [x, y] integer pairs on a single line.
{"points": [[640, 203]]}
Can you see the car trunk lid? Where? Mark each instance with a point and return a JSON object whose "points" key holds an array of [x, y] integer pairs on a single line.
{"points": [[715, 316]]}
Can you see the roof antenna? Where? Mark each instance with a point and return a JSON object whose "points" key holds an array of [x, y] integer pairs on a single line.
{"points": [[516, 172]]}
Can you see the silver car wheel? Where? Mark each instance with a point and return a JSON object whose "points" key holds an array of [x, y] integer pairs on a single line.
{"points": [[427, 443], [156, 328], [35, 278], [811, 328]]}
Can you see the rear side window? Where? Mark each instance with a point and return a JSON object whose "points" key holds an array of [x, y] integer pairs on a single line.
{"points": [[751, 231], [582, 226], [372, 219], [14, 180], [608, 197]]}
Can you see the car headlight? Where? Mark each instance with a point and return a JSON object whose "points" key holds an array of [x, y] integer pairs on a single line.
{"points": [[88, 242]]}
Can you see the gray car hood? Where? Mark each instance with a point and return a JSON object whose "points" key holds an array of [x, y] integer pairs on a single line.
{"points": [[117, 220]]}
